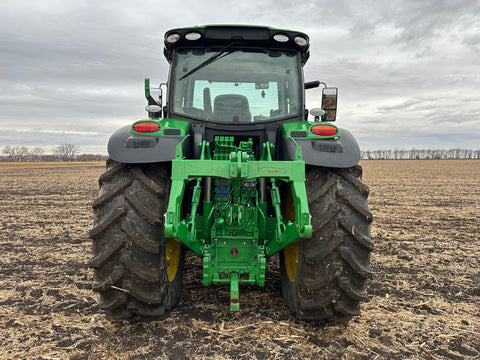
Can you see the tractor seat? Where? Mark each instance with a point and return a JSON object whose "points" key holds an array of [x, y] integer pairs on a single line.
{"points": [[231, 108]]}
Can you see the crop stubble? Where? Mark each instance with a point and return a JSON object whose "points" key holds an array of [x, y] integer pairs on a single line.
{"points": [[425, 294]]}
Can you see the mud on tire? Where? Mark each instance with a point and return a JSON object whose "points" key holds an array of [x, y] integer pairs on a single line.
{"points": [[129, 246], [334, 265]]}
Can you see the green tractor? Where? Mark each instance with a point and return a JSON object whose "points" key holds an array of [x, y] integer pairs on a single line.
{"points": [[230, 166]]}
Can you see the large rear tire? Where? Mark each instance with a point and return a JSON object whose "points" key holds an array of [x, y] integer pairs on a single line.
{"points": [[138, 272], [324, 278]]}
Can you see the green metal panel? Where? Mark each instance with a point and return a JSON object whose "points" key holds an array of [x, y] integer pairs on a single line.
{"points": [[305, 126], [233, 234], [165, 124]]}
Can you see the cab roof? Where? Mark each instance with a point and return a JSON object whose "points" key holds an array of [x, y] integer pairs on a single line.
{"points": [[236, 36]]}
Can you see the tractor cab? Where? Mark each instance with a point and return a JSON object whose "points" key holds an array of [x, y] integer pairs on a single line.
{"points": [[254, 76], [235, 74]]}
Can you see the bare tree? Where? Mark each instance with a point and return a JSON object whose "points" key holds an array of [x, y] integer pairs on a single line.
{"points": [[38, 153], [419, 154], [16, 153], [67, 152]]}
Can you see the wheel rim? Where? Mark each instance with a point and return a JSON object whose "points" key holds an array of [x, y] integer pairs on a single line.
{"points": [[290, 254], [172, 252]]}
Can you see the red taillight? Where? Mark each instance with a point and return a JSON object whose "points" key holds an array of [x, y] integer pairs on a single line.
{"points": [[146, 127], [324, 130]]}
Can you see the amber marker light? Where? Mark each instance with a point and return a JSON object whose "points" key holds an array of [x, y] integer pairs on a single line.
{"points": [[146, 127], [300, 40], [173, 38], [324, 130]]}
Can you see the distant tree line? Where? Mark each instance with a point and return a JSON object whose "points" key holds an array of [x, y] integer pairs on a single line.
{"points": [[70, 152], [63, 152], [420, 154]]}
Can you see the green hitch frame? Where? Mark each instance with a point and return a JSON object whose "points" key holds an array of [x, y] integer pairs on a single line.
{"points": [[233, 234]]}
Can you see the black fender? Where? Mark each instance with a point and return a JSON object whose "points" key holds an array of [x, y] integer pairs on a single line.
{"points": [[125, 147], [342, 152]]}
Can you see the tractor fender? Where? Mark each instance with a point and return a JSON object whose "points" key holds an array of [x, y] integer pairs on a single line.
{"points": [[342, 152], [125, 147]]}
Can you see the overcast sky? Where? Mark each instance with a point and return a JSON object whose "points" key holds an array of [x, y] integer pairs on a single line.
{"points": [[408, 72]]}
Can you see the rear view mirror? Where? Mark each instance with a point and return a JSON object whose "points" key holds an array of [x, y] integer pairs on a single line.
{"points": [[329, 103]]}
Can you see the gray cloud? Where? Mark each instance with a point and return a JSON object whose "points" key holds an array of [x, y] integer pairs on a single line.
{"points": [[74, 71]]}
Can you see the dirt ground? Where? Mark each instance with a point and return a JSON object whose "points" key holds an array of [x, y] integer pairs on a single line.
{"points": [[424, 297]]}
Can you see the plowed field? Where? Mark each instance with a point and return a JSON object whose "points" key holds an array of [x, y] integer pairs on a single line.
{"points": [[424, 296]]}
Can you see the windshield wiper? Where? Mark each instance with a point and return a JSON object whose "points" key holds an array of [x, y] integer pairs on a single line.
{"points": [[220, 54]]}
